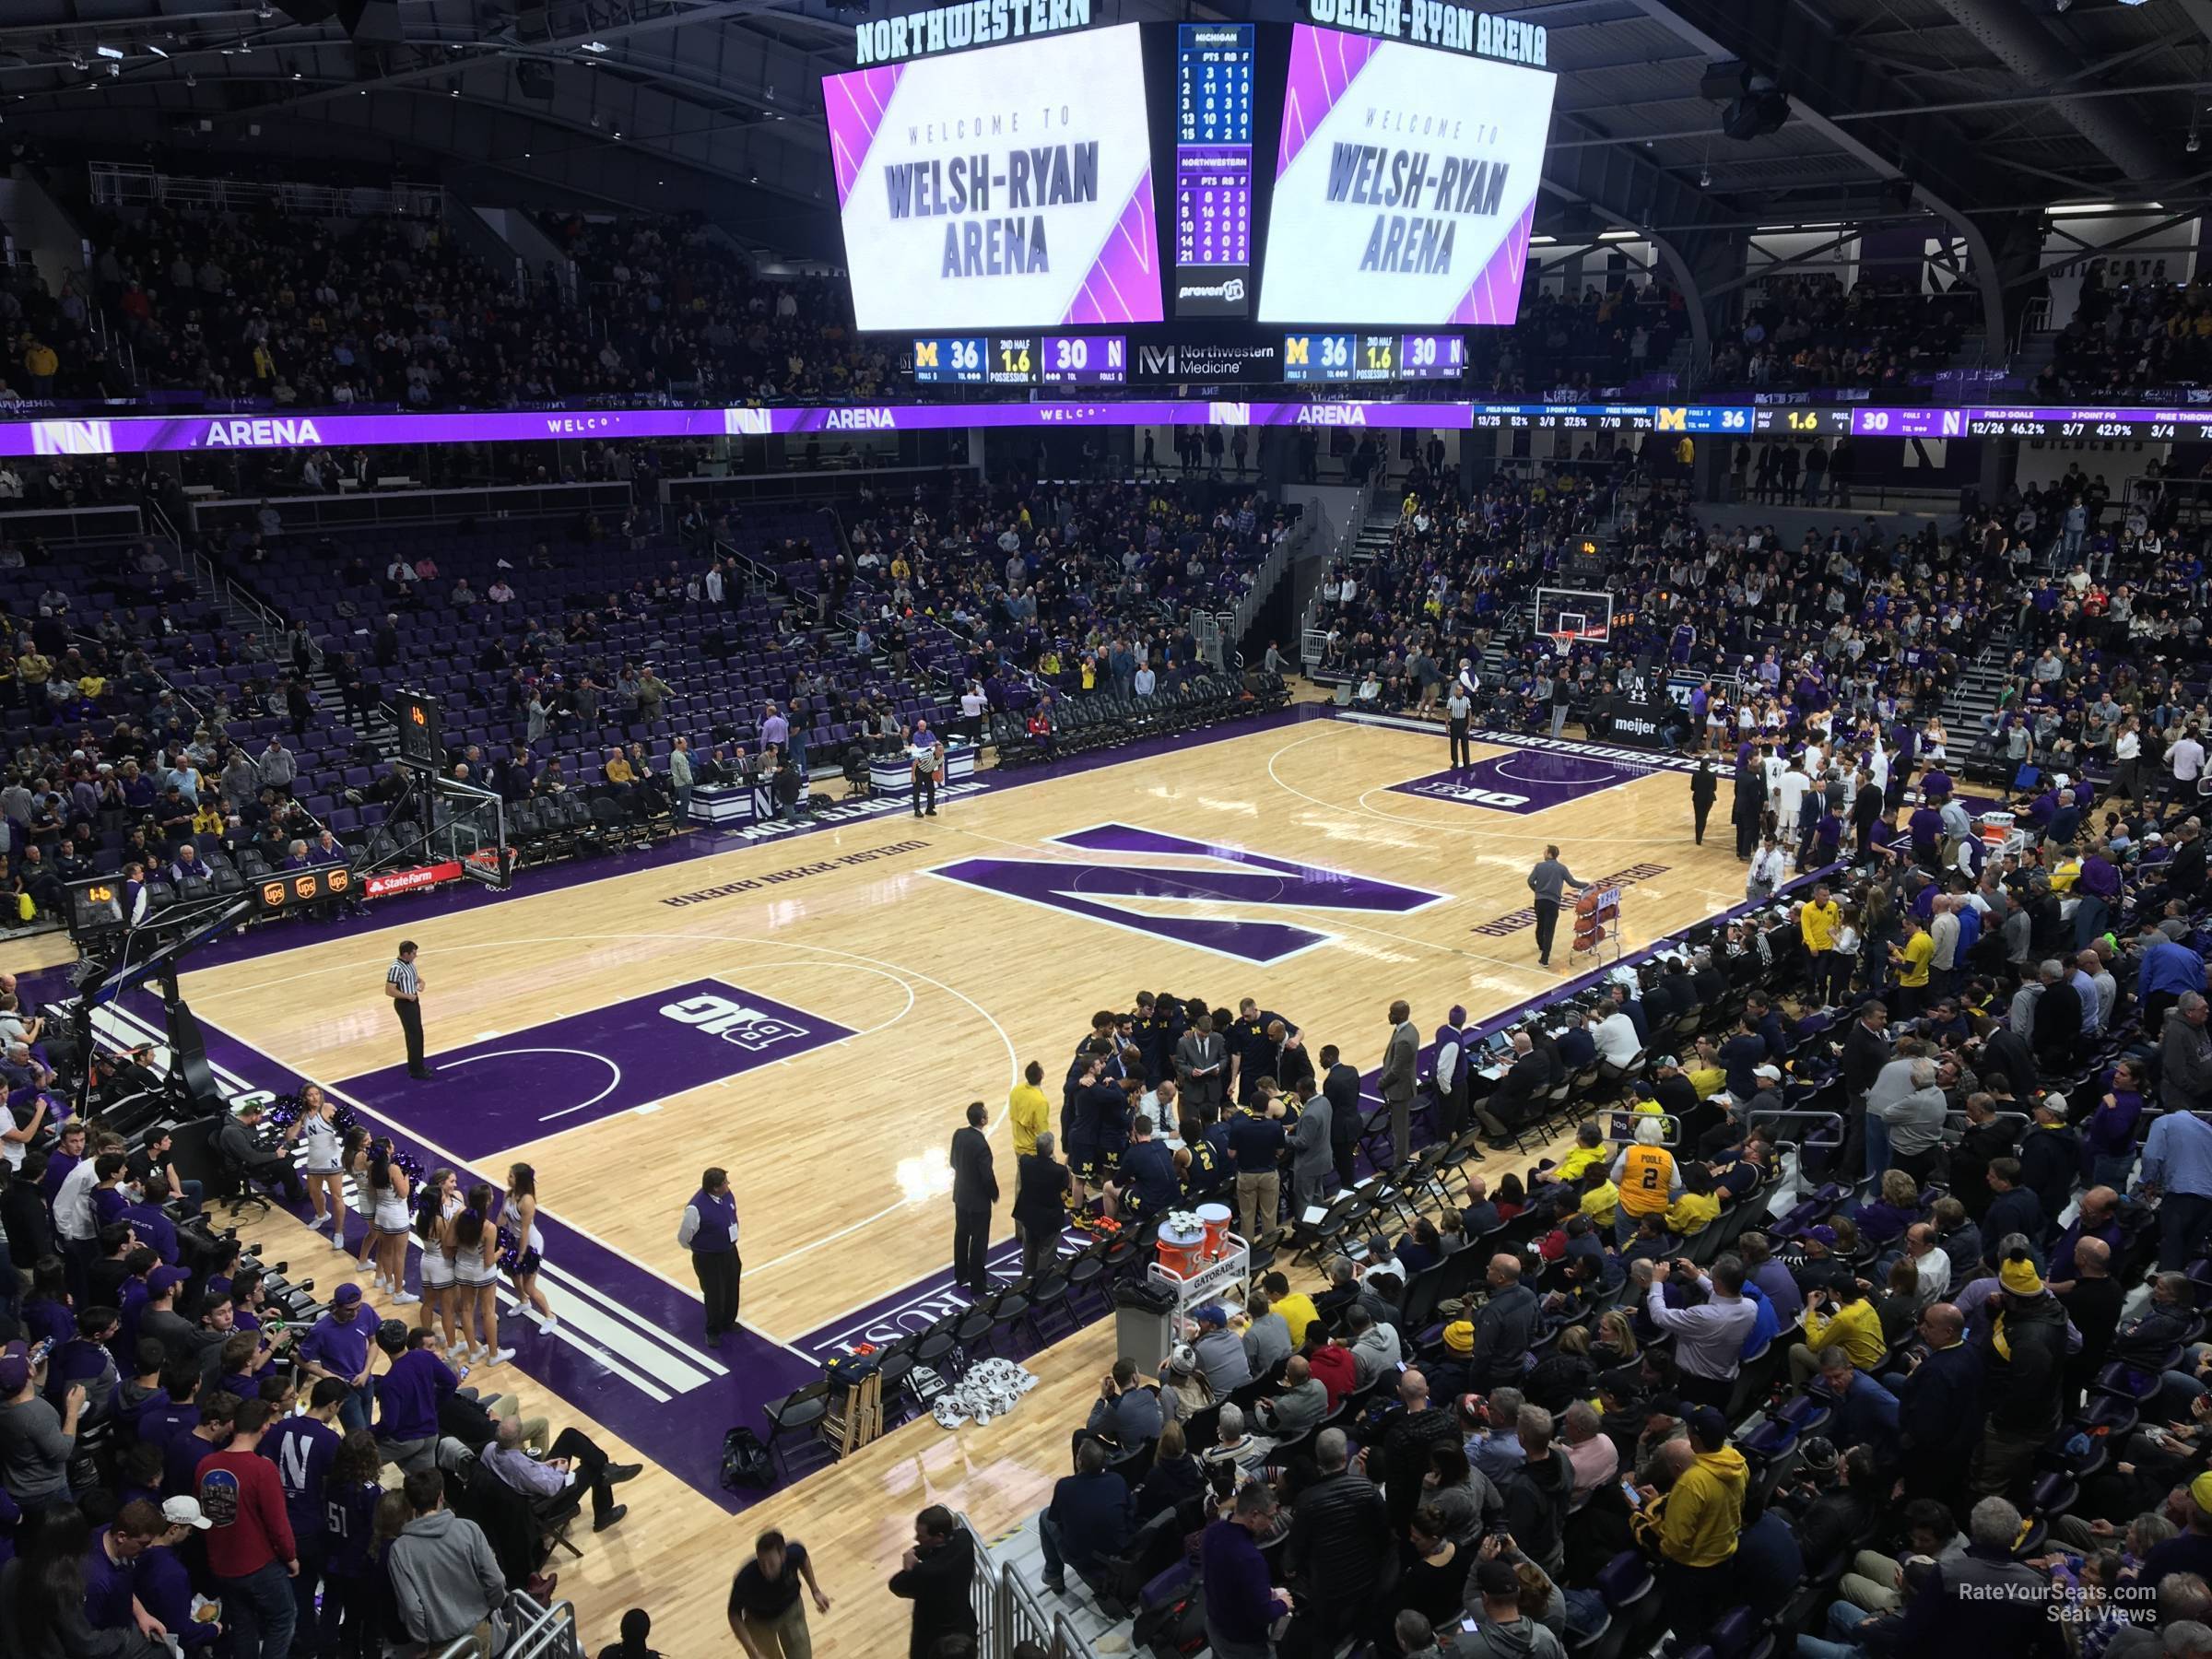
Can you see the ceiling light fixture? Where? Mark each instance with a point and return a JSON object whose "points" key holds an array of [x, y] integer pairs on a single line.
{"points": [[156, 50], [595, 48], [107, 51]]}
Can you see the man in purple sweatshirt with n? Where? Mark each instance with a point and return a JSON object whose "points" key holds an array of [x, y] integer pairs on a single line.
{"points": [[1240, 1603], [407, 1395]]}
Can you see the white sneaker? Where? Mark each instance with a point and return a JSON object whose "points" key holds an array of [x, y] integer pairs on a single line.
{"points": [[550, 1324], [499, 1358], [320, 1222], [402, 1297], [339, 1245]]}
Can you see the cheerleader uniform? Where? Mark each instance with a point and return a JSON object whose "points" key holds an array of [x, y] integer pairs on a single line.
{"points": [[530, 1252], [323, 1144], [391, 1215], [470, 1269], [438, 1268]]}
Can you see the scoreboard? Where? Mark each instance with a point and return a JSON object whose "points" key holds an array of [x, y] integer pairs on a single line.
{"points": [[1213, 168], [1311, 358], [976, 361], [1084, 360], [1054, 360], [950, 360]]}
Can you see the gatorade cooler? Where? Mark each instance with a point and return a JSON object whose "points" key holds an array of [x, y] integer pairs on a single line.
{"points": [[1217, 1218], [1182, 1253]]}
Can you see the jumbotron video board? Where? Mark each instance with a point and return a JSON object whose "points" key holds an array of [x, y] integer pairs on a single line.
{"points": [[1035, 201]]}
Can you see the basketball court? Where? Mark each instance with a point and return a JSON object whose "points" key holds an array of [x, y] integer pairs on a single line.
{"points": [[813, 1008], [813, 1012]]}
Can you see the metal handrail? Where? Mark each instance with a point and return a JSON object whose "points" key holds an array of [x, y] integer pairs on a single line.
{"points": [[1834, 1119], [133, 184], [1007, 1611], [538, 1631]]}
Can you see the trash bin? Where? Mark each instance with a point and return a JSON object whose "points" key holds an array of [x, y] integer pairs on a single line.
{"points": [[1143, 1323]]}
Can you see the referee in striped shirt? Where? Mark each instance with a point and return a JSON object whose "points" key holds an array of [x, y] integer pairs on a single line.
{"points": [[404, 987]]}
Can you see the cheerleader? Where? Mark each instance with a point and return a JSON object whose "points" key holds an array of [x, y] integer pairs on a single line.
{"points": [[354, 1161], [326, 1161], [439, 1203], [390, 1222], [521, 1220], [472, 1243]]}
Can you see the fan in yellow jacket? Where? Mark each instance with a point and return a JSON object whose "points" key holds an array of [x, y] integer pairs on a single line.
{"points": [[1819, 921], [1696, 1521], [1028, 1111], [1841, 1318]]}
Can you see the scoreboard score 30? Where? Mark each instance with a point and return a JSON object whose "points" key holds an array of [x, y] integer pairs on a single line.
{"points": [[1052, 359], [1315, 358]]}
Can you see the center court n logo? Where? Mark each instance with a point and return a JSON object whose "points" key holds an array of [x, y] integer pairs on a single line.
{"points": [[1233, 904]]}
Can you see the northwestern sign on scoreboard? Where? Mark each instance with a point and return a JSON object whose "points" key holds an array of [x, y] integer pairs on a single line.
{"points": [[998, 188], [1405, 184]]}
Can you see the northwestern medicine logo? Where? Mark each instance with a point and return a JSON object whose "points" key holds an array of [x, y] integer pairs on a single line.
{"points": [[1238, 911]]}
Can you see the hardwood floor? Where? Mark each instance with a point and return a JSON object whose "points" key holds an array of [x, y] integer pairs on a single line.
{"points": [[949, 952]]}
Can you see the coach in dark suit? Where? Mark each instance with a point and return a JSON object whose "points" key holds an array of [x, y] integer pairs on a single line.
{"points": [[1340, 1087], [1202, 1067], [974, 1193], [1395, 1082], [1040, 1205]]}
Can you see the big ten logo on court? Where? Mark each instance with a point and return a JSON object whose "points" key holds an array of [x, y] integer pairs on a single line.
{"points": [[1474, 797], [749, 1028]]}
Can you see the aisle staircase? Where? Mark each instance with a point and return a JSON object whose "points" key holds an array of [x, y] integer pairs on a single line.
{"points": [[1975, 695]]}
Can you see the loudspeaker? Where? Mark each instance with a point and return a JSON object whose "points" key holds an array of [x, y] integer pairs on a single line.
{"points": [[1755, 114], [1721, 82], [534, 78]]}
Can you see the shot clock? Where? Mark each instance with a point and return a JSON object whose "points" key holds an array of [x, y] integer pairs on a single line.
{"points": [[421, 735]]}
